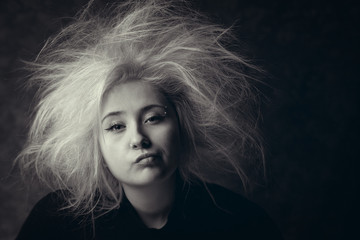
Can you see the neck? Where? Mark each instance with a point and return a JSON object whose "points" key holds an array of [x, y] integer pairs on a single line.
{"points": [[153, 202]]}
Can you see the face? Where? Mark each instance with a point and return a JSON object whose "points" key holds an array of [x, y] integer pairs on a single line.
{"points": [[140, 135]]}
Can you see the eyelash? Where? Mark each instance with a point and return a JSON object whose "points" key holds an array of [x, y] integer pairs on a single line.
{"points": [[113, 127], [117, 127], [155, 118]]}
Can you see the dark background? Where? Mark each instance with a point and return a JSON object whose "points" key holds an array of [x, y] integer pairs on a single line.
{"points": [[310, 122]]}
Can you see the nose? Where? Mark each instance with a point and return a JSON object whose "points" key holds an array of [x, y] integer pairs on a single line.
{"points": [[138, 140]]}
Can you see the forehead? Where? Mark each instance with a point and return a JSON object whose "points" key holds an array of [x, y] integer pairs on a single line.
{"points": [[132, 95]]}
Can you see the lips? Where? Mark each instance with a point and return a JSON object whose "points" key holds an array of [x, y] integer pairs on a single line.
{"points": [[145, 156]]}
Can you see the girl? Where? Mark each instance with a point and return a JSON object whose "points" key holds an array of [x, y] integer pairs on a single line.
{"points": [[141, 109]]}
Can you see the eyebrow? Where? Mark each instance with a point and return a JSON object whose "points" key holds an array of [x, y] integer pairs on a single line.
{"points": [[143, 109]]}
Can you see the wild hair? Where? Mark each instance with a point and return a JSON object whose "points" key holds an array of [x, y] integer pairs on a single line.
{"points": [[166, 44]]}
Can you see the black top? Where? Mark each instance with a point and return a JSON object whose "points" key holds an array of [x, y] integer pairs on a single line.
{"points": [[196, 214]]}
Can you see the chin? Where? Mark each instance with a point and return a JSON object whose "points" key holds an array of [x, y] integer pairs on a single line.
{"points": [[150, 176]]}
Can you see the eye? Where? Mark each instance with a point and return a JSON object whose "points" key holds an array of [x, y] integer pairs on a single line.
{"points": [[116, 127], [154, 119]]}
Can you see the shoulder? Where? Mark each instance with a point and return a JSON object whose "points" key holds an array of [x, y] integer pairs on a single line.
{"points": [[234, 203], [53, 201], [223, 209], [222, 199], [53, 205], [50, 220]]}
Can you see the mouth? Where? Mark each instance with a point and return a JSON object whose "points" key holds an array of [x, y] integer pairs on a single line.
{"points": [[148, 157]]}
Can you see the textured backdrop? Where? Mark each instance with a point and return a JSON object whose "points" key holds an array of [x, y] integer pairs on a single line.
{"points": [[311, 50]]}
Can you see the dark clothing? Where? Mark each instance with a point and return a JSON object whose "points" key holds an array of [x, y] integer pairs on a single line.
{"points": [[196, 214]]}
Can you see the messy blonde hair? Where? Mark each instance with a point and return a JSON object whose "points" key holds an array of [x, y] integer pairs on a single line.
{"points": [[166, 44]]}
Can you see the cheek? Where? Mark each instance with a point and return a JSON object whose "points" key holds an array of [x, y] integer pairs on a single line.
{"points": [[168, 138], [113, 154], [112, 150]]}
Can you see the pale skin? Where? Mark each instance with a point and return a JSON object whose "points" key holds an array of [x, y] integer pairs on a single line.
{"points": [[141, 147]]}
